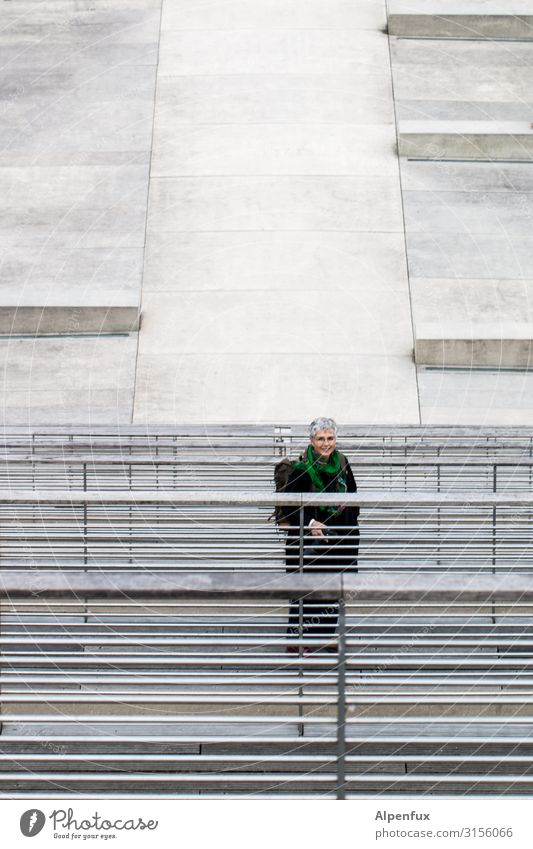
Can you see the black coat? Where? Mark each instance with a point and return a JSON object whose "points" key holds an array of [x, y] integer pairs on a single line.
{"points": [[341, 549]]}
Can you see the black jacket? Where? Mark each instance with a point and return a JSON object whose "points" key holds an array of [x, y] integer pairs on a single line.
{"points": [[299, 481], [340, 551]]}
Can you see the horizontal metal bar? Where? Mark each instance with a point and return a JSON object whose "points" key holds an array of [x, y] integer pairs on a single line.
{"points": [[92, 607], [56, 584], [234, 463], [264, 642], [169, 794], [127, 698], [257, 498], [174, 532], [172, 778], [165, 719], [191, 758], [285, 758], [505, 587], [84, 634], [268, 739], [260, 778], [487, 680], [403, 661]]}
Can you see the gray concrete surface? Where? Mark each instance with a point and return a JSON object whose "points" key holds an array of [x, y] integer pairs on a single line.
{"points": [[469, 255], [461, 19], [299, 14], [464, 110], [258, 387], [476, 397], [468, 236], [468, 223], [275, 256], [282, 262], [473, 323], [275, 279], [459, 71], [77, 101], [471, 301], [469, 212], [68, 380]]}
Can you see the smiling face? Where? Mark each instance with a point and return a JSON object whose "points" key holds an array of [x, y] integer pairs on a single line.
{"points": [[324, 442]]}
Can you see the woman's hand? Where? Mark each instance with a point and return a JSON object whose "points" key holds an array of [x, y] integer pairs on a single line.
{"points": [[317, 529]]}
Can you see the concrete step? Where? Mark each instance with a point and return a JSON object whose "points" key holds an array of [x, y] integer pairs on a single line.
{"points": [[499, 141], [494, 19], [70, 320], [462, 344]]}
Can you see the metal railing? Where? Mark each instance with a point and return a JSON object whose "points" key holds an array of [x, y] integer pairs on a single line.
{"points": [[226, 473], [145, 607], [181, 685], [225, 458], [359, 440], [175, 531]]}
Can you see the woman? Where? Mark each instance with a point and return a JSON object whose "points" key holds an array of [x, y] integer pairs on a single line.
{"points": [[331, 533]]}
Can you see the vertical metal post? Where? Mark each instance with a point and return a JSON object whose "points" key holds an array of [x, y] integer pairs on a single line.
{"points": [[280, 445], [439, 528], [301, 539], [300, 616], [300, 569], [85, 519], [494, 488], [341, 704]]}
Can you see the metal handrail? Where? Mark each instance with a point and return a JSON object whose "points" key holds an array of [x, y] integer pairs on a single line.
{"points": [[210, 530], [219, 645], [341, 673], [237, 461], [503, 588], [264, 498]]}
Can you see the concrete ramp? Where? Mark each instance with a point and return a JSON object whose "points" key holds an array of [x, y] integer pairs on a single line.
{"points": [[275, 280]]}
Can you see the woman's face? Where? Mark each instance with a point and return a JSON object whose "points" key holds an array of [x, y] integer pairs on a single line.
{"points": [[324, 442]]}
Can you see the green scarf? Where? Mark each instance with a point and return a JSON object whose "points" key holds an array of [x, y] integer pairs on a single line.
{"points": [[315, 468]]}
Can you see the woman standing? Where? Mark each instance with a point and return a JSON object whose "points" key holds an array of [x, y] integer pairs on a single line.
{"points": [[331, 533]]}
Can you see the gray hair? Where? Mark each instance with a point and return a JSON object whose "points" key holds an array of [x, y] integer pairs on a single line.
{"points": [[322, 424]]}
